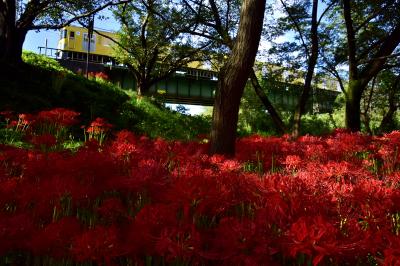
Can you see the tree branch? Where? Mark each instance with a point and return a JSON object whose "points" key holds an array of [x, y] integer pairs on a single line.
{"points": [[297, 28], [77, 17], [351, 40]]}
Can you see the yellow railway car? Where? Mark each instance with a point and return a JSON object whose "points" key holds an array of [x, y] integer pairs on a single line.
{"points": [[74, 44]]}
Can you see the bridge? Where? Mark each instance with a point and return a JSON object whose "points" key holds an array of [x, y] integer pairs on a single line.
{"points": [[188, 85]]}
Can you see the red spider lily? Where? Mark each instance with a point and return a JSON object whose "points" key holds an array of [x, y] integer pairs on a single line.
{"points": [[98, 130], [56, 238], [178, 243], [58, 116], [312, 197], [99, 244], [8, 115], [26, 119], [98, 75], [44, 141], [292, 161], [16, 230], [392, 251], [98, 125], [102, 75], [312, 236], [112, 210]]}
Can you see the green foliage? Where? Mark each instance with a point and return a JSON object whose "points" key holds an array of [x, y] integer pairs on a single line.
{"points": [[151, 41], [146, 116], [253, 119], [45, 85], [382, 100], [43, 62], [317, 124], [11, 137]]}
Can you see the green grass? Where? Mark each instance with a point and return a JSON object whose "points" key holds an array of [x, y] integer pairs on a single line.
{"points": [[43, 84]]}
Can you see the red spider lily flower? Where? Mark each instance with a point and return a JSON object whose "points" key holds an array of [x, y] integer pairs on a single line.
{"points": [[292, 161], [8, 115], [98, 130], [12, 124], [313, 236], [56, 238], [58, 116], [112, 210], [8, 187], [26, 119], [124, 145], [44, 141], [100, 124], [100, 244], [102, 75], [178, 243], [15, 232], [392, 251]]}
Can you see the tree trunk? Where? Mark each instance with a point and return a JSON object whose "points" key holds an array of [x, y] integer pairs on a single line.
{"points": [[11, 37], [233, 78], [277, 120], [353, 106], [365, 117], [359, 78], [387, 122], [143, 87], [301, 106]]}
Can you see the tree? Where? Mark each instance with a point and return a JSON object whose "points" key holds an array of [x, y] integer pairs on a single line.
{"points": [[372, 35], [217, 21], [19, 17], [393, 93], [312, 54], [151, 41], [380, 101], [305, 46], [233, 77]]}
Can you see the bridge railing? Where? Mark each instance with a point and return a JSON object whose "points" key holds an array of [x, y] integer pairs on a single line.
{"points": [[61, 54], [50, 52]]}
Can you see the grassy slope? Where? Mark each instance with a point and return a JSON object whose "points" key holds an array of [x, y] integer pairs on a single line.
{"points": [[43, 84]]}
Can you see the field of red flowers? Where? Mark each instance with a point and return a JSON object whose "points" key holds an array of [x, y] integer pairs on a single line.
{"points": [[332, 200]]}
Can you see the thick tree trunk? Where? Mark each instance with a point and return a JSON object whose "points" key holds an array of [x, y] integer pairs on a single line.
{"points": [[11, 37], [11, 51], [143, 87], [353, 106], [359, 78], [233, 78], [277, 120], [228, 41], [301, 106]]}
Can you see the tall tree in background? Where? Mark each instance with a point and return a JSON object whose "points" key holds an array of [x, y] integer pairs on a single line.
{"points": [[372, 36], [218, 21], [381, 100], [391, 87], [303, 20], [233, 77], [19, 17], [151, 41]]}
